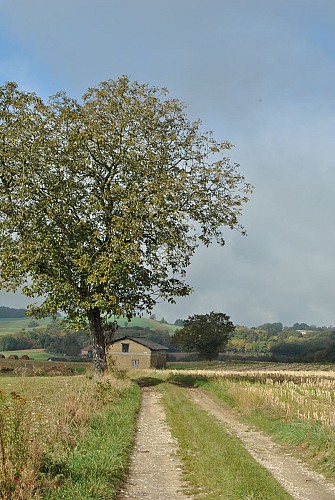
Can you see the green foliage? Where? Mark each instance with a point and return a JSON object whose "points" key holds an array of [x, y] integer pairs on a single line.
{"points": [[103, 202], [54, 339], [271, 327], [15, 342], [286, 345], [205, 333], [314, 347], [64, 344], [302, 326], [97, 465]]}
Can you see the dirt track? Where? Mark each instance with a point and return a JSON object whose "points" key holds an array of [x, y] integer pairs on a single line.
{"points": [[297, 480], [155, 471]]}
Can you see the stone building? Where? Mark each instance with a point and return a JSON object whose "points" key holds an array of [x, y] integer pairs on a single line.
{"points": [[136, 352], [87, 351]]}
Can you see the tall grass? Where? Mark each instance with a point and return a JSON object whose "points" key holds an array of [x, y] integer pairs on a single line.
{"points": [[96, 467], [45, 422], [300, 415], [19, 455]]}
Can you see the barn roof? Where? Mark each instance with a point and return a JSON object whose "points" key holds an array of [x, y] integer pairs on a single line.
{"points": [[153, 346], [87, 348]]}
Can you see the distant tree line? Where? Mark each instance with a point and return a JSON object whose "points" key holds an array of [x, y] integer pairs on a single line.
{"points": [[57, 339], [10, 312], [299, 343], [54, 338]]}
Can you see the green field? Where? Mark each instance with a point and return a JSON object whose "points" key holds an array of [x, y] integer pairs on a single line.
{"points": [[16, 325], [36, 354], [147, 323]]}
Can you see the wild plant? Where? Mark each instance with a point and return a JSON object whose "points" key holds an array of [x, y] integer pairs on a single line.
{"points": [[19, 454], [37, 431]]}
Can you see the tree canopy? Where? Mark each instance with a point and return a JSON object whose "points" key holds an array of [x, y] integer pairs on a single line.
{"points": [[271, 327], [205, 334], [104, 201]]}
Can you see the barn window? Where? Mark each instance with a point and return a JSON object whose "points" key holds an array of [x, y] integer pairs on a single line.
{"points": [[136, 363], [125, 347]]}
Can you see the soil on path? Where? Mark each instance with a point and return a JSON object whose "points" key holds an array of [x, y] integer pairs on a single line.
{"points": [[297, 480], [155, 470]]}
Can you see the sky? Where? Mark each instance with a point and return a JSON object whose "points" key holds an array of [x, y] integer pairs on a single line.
{"points": [[260, 74]]}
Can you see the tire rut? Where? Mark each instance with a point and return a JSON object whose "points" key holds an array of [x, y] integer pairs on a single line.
{"points": [[155, 469], [300, 482]]}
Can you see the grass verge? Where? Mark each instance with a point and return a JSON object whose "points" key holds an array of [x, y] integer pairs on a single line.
{"points": [[215, 463], [65, 437], [96, 467]]}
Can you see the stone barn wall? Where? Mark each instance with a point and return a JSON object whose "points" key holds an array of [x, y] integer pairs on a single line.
{"points": [[126, 354]]}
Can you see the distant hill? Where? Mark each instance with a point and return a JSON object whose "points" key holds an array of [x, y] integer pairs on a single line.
{"points": [[15, 324], [152, 324], [11, 312]]}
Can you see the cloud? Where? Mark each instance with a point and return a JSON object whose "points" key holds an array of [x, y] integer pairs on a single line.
{"points": [[260, 74]]}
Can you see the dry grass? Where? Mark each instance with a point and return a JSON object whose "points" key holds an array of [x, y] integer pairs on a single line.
{"points": [[317, 377], [40, 367], [41, 418], [294, 394], [295, 405]]}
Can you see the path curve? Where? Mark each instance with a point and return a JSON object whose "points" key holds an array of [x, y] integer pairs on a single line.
{"points": [[297, 480], [155, 469]]}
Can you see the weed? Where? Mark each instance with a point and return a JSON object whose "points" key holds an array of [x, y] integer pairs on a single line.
{"points": [[19, 455]]}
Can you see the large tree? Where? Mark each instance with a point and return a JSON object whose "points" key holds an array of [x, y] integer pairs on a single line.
{"points": [[206, 334], [104, 201]]}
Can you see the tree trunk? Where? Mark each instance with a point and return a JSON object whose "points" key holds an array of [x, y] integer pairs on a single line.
{"points": [[98, 342]]}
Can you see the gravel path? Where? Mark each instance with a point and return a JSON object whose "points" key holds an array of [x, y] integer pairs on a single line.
{"points": [[298, 481], [155, 470]]}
